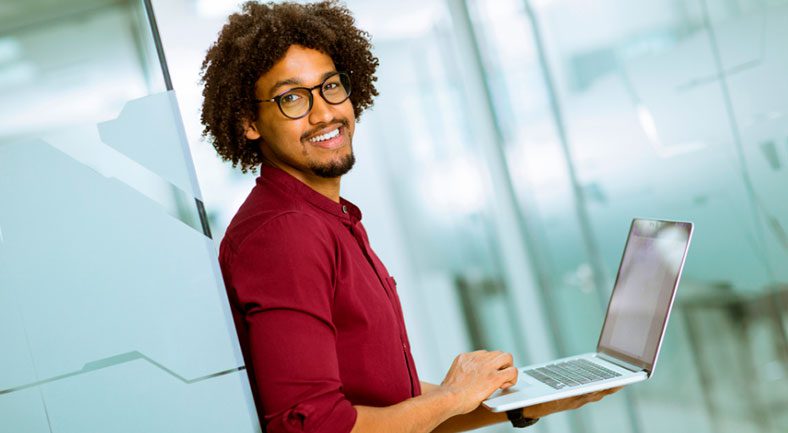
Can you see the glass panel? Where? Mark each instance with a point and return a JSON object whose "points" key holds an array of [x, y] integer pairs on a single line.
{"points": [[24, 411], [746, 37], [106, 400], [454, 227], [112, 307], [141, 127], [92, 251], [563, 252]]}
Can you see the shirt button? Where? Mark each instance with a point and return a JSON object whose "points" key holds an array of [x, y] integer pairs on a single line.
{"points": [[344, 208]]}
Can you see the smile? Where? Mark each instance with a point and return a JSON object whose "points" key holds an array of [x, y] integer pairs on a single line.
{"points": [[327, 136], [330, 140]]}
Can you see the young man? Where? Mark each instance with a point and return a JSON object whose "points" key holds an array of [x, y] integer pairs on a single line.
{"points": [[317, 313]]}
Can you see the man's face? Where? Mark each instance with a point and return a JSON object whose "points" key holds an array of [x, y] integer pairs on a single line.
{"points": [[299, 146]]}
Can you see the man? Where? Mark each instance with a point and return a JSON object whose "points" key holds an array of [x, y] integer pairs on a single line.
{"points": [[317, 313]]}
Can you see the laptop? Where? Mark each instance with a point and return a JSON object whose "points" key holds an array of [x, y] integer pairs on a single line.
{"points": [[635, 322]]}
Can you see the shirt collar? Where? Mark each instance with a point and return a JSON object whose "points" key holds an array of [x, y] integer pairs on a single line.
{"points": [[344, 210]]}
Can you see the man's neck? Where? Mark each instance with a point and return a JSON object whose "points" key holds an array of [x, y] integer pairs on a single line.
{"points": [[326, 186]]}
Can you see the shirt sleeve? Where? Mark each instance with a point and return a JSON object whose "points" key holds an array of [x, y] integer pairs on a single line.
{"points": [[283, 275]]}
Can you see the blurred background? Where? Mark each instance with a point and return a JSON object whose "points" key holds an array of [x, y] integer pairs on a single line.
{"points": [[511, 145]]}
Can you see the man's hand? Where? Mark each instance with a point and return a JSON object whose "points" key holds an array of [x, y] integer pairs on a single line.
{"points": [[570, 403], [474, 376]]}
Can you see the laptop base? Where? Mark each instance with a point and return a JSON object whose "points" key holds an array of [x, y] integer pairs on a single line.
{"points": [[530, 391]]}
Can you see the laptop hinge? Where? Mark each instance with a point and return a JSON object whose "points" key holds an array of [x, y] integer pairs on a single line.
{"points": [[620, 363]]}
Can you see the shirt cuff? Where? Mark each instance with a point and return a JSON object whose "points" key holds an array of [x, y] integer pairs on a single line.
{"points": [[330, 413]]}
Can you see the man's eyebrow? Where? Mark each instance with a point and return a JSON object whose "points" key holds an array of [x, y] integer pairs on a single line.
{"points": [[296, 81]]}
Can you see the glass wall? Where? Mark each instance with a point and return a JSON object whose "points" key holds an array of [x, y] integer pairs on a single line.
{"points": [[113, 316]]}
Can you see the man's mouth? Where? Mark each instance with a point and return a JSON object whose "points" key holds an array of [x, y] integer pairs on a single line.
{"points": [[333, 138], [327, 136]]}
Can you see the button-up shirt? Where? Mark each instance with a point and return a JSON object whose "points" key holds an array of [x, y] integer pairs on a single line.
{"points": [[317, 313]]}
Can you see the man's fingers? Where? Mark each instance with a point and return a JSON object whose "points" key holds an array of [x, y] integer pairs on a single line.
{"points": [[509, 376], [606, 392], [582, 400], [509, 373], [569, 403], [503, 360], [596, 396]]}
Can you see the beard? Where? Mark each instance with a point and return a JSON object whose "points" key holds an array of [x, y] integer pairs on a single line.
{"points": [[334, 168]]}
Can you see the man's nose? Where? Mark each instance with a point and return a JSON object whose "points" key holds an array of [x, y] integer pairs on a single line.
{"points": [[321, 110]]}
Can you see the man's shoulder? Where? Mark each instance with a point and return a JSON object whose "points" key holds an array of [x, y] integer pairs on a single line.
{"points": [[265, 206]]}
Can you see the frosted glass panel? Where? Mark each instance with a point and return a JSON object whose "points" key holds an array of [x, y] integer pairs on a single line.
{"points": [[119, 257], [140, 129], [24, 411], [751, 48], [113, 313], [137, 396], [96, 275]]}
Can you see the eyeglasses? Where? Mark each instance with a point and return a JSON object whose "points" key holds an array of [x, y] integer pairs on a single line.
{"points": [[297, 102]]}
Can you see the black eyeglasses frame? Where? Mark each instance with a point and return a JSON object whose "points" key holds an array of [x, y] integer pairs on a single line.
{"points": [[309, 90]]}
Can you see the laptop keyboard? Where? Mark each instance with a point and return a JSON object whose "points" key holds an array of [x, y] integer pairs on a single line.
{"points": [[571, 373]]}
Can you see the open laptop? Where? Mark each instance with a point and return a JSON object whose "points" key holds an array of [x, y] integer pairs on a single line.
{"points": [[635, 323]]}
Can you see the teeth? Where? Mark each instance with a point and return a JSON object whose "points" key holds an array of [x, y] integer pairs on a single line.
{"points": [[326, 136]]}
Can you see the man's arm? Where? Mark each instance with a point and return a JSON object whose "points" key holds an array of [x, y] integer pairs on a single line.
{"points": [[419, 414], [481, 417]]}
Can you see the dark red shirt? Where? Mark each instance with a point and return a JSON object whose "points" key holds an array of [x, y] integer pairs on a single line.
{"points": [[317, 313]]}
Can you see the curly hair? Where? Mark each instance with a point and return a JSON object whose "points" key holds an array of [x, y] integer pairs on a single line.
{"points": [[249, 45]]}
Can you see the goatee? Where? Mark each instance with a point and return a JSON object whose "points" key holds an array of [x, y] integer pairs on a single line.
{"points": [[335, 168]]}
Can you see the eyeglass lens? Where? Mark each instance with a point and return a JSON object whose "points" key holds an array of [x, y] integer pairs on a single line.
{"points": [[297, 102]]}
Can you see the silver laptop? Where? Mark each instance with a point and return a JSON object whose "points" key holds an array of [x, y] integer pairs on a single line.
{"points": [[635, 323]]}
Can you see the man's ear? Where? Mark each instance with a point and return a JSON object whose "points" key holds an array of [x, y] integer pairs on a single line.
{"points": [[250, 130]]}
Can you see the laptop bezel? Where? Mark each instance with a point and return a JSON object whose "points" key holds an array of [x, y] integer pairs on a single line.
{"points": [[648, 367]]}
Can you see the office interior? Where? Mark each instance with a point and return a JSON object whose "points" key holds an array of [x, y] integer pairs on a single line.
{"points": [[512, 143]]}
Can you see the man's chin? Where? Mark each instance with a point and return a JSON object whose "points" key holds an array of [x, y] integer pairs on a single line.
{"points": [[335, 168]]}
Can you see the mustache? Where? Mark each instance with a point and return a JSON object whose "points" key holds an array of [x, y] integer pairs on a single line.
{"points": [[341, 122]]}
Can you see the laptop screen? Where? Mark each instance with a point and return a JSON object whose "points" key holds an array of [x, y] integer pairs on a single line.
{"points": [[643, 294]]}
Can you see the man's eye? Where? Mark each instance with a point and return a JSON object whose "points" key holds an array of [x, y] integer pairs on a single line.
{"points": [[330, 86], [290, 98]]}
